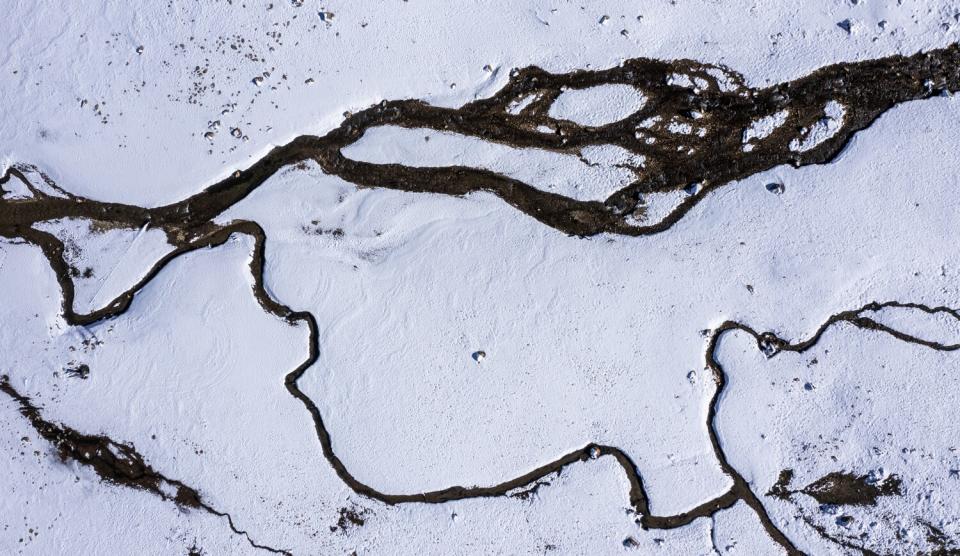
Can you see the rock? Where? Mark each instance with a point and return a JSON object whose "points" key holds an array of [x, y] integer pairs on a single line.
{"points": [[80, 371], [775, 188]]}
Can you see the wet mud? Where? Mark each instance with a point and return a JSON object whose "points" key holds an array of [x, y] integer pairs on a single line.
{"points": [[722, 105], [846, 489], [840, 488]]}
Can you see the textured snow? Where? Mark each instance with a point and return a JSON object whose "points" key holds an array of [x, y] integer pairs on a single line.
{"points": [[840, 407], [823, 129], [941, 327], [763, 127], [107, 261], [16, 189], [586, 340], [529, 297], [592, 178], [49, 508], [519, 105], [738, 531], [657, 206], [220, 416], [599, 105]]}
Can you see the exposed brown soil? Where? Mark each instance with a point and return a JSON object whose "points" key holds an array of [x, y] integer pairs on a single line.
{"points": [[841, 489], [847, 489]]}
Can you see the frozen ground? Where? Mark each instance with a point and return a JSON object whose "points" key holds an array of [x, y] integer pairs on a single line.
{"points": [[394, 343]]}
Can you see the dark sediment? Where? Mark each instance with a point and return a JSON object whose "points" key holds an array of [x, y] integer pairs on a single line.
{"points": [[847, 489]]}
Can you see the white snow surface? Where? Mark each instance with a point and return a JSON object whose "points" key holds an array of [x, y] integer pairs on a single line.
{"points": [[556, 376], [739, 531], [941, 327], [49, 508], [841, 407], [825, 128], [763, 127], [529, 296], [586, 339], [207, 405], [107, 261], [599, 105], [591, 178], [16, 189]]}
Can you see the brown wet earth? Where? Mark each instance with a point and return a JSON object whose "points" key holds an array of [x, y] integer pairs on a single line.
{"points": [[673, 162], [847, 489], [839, 488]]}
